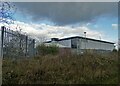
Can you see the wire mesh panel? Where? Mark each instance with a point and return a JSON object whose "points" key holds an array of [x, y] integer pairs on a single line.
{"points": [[15, 44]]}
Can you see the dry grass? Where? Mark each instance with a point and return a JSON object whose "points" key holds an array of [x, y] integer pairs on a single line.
{"points": [[67, 69]]}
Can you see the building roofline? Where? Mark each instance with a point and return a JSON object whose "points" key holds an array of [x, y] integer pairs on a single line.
{"points": [[82, 38]]}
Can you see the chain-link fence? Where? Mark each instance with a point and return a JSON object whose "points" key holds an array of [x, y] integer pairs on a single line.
{"points": [[15, 44]]}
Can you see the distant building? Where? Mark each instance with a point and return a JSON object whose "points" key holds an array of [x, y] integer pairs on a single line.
{"points": [[80, 44]]}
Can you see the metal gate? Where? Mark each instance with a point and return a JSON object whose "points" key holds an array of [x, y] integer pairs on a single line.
{"points": [[15, 44]]}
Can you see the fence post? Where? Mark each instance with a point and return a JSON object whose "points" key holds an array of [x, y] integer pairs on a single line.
{"points": [[33, 48], [1, 51], [34, 51], [2, 38], [26, 50]]}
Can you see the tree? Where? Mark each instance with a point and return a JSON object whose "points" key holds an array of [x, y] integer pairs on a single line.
{"points": [[7, 10]]}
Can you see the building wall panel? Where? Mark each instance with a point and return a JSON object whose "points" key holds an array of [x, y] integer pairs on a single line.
{"points": [[90, 44], [66, 43]]}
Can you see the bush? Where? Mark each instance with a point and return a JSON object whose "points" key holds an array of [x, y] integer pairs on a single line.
{"points": [[114, 50], [42, 49], [119, 50]]}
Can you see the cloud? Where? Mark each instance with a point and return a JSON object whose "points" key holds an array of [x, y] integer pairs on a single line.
{"points": [[64, 13], [115, 26], [42, 32]]}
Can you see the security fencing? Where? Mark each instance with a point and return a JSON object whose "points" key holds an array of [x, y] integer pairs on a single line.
{"points": [[15, 44]]}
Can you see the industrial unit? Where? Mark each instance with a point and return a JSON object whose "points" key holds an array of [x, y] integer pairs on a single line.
{"points": [[80, 44]]}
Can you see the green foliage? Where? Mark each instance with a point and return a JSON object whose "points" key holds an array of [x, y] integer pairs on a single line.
{"points": [[71, 69], [119, 50], [42, 49], [114, 50]]}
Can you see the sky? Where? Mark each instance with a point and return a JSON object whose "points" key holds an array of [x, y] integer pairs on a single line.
{"points": [[45, 20]]}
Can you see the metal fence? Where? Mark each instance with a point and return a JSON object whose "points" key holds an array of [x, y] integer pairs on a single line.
{"points": [[15, 44]]}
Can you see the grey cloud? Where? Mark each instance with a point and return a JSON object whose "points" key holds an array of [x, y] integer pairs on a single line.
{"points": [[63, 13]]}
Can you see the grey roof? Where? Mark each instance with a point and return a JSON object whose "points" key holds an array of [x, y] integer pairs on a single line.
{"points": [[82, 38]]}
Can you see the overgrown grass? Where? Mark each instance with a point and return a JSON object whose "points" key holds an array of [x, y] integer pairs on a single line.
{"points": [[55, 69]]}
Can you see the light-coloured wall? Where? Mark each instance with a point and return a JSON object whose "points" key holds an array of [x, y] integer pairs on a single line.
{"points": [[90, 44], [66, 43], [87, 44]]}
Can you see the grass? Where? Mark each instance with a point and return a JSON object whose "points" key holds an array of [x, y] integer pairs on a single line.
{"points": [[56, 69]]}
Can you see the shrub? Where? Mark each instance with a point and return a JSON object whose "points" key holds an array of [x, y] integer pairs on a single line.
{"points": [[42, 49], [114, 50]]}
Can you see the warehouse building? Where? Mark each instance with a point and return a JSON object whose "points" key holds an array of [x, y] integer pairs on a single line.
{"points": [[80, 44]]}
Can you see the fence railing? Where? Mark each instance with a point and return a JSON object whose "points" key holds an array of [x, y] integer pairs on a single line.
{"points": [[15, 44]]}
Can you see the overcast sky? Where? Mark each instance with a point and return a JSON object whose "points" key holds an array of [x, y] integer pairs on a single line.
{"points": [[66, 19]]}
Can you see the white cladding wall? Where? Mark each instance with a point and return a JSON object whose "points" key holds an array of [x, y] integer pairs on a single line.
{"points": [[87, 44], [90, 44], [66, 43]]}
